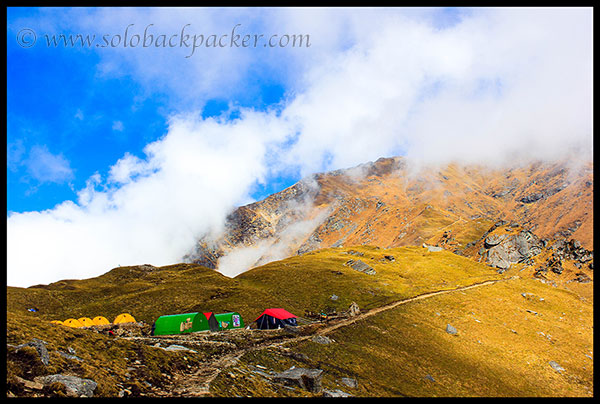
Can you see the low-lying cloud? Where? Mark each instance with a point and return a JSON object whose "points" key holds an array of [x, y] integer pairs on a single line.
{"points": [[497, 86]]}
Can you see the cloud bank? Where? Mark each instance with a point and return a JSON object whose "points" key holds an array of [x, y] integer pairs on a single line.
{"points": [[496, 86]]}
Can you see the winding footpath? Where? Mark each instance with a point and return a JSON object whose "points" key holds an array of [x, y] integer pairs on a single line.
{"points": [[198, 383]]}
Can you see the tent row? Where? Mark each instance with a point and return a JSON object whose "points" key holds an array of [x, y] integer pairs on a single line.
{"points": [[99, 320], [192, 322]]}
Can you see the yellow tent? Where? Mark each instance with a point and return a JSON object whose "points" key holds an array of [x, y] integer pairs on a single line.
{"points": [[57, 322], [124, 318], [86, 321], [71, 322], [99, 320]]}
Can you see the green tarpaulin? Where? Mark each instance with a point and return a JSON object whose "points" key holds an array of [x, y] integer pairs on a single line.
{"points": [[230, 320], [180, 324]]}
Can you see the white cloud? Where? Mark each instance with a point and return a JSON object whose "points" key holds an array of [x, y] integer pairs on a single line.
{"points": [[150, 210], [118, 126], [499, 84], [44, 166]]}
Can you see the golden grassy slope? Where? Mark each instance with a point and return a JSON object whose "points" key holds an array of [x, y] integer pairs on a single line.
{"points": [[387, 353]]}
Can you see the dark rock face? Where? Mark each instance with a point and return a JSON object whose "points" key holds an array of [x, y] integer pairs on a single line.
{"points": [[532, 198]]}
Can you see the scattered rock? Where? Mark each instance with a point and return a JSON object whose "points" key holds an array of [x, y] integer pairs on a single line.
{"points": [[69, 356], [582, 278], [76, 387], [335, 393], [307, 379], [556, 366], [451, 330], [432, 248], [352, 383], [531, 311], [334, 297], [29, 384], [430, 378], [321, 339], [177, 348], [360, 267]]}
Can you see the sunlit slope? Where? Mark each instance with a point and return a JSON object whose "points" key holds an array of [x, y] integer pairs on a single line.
{"points": [[508, 332], [298, 283], [504, 346]]}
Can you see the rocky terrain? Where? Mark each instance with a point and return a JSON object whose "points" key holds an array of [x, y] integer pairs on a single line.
{"points": [[388, 204]]}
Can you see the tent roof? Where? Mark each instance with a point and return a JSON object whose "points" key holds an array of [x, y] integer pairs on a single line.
{"points": [[277, 313], [208, 314]]}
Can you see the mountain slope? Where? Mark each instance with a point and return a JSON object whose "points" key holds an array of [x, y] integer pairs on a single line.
{"points": [[389, 204], [509, 328]]}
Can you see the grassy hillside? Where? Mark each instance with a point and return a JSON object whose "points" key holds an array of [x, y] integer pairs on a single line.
{"points": [[501, 349], [498, 350], [298, 283]]}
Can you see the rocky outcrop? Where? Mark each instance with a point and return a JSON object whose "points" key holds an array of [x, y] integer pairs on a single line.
{"points": [[502, 250], [360, 266], [571, 250], [40, 347], [75, 386]]}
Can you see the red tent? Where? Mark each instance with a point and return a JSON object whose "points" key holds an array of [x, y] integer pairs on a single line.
{"points": [[275, 318]]}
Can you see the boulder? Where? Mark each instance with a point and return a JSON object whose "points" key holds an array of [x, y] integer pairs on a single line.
{"points": [[505, 250], [307, 379], [556, 366], [75, 386], [335, 393], [350, 382], [360, 266], [451, 330], [432, 248], [321, 339]]}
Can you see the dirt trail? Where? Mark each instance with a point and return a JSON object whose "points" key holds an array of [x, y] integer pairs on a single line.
{"points": [[198, 383]]}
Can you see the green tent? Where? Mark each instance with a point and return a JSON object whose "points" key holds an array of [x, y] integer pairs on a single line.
{"points": [[180, 324], [231, 320]]}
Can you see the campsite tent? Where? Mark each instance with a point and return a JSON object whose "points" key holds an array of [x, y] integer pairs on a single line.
{"points": [[71, 322], [213, 323], [86, 322], [275, 318], [180, 324], [124, 318], [231, 320], [57, 322], [99, 320]]}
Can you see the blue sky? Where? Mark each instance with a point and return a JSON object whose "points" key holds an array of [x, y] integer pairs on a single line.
{"points": [[84, 123], [120, 155]]}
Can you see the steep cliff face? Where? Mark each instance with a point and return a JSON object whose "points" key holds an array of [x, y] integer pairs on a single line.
{"points": [[388, 203]]}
